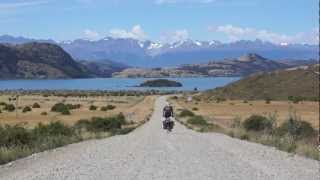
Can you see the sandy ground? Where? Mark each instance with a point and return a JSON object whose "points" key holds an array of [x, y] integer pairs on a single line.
{"points": [[224, 113], [149, 152], [135, 109]]}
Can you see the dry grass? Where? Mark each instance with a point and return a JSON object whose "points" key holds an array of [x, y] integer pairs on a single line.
{"points": [[221, 118], [134, 108], [224, 113]]}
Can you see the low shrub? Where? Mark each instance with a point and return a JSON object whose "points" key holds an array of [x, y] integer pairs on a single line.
{"points": [[14, 136], [104, 108], [17, 141], [244, 137], [73, 106], [108, 107], [26, 109], [186, 113], [9, 107], [197, 120], [62, 108], [257, 123], [65, 112], [98, 124], [59, 107], [3, 104], [93, 108], [44, 113], [295, 99], [297, 129], [195, 109], [111, 107], [52, 129], [268, 100], [36, 105]]}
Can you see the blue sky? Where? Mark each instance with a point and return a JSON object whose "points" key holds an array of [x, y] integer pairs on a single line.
{"points": [[278, 21]]}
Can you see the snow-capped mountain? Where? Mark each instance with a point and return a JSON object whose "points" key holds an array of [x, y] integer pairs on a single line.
{"points": [[156, 54]]}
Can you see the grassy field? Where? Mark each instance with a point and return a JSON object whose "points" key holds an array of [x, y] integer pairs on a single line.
{"points": [[291, 127], [223, 113], [135, 108]]}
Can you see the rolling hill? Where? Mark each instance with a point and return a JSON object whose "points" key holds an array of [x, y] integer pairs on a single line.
{"points": [[103, 68], [38, 61], [242, 66], [279, 85]]}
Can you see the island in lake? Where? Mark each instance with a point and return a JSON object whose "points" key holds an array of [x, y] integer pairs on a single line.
{"points": [[160, 83]]}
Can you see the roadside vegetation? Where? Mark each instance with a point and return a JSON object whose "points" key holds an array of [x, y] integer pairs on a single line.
{"points": [[17, 141], [34, 123], [293, 136]]}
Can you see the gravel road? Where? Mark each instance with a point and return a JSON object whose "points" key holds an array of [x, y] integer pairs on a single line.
{"points": [[151, 153]]}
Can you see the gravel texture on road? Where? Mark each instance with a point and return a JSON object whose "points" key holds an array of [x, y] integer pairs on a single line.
{"points": [[149, 152]]}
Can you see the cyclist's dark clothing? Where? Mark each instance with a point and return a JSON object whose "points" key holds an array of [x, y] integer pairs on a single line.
{"points": [[167, 111]]}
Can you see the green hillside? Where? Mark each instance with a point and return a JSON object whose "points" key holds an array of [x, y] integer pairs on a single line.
{"points": [[277, 85]]}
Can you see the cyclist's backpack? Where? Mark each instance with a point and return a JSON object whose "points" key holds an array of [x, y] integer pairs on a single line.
{"points": [[167, 111]]}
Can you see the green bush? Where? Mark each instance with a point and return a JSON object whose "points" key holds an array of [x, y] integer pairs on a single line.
{"points": [[98, 124], [65, 112], [17, 141], [14, 136], [104, 124], [62, 108], [195, 109], [297, 129], [3, 104], [52, 129], [83, 123], [59, 107], [111, 107], [9, 107], [268, 100], [186, 113], [73, 106], [108, 107], [44, 113], [92, 108], [104, 108], [197, 120], [36, 105], [26, 109], [257, 123]]}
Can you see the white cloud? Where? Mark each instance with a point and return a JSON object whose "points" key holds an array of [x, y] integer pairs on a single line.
{"points": [[91, 35], [236, 33], [174, 36], [21, 4], [136, 33], [182, 1]]}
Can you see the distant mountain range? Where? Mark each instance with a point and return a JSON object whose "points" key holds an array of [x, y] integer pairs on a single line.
{"points": [[242, 66], [153, 54], [48, 61]]}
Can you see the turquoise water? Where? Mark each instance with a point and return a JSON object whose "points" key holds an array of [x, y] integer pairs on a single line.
{"points": [[201, 83]]}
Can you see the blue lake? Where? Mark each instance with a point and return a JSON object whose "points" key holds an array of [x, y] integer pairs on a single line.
{"points": [[201, 83]]}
